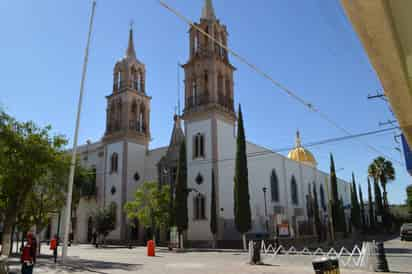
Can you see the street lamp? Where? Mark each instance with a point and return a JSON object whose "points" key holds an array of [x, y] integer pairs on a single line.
{"points": [[264, 189]]}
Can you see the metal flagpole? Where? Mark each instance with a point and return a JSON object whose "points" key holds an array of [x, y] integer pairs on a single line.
{"points": [[76, 133]]}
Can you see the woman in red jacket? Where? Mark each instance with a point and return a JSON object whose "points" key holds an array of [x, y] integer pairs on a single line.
{"points": [[28, 255]]}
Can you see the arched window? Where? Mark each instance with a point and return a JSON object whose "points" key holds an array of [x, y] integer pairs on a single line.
{"points": [[119, 80], [141, 119], [194, 92], [206, 80], [196, 42], [222, 50], [199, 207], [220, 91], [322, 198], [140, 84], [114, 159], [294, 191], [217, 47], [274, 186], [199, 146]]}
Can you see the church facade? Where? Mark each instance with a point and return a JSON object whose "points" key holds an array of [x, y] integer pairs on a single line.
{"points": [[279, 186]]}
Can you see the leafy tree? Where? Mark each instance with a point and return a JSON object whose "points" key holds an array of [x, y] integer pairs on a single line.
{"points": [[27, 155], [409, 198], [362, 209], [213, 210], [355, 209], [104, 220], [370, 207], [241, 184], [334, 198], [181, 211], [150, 206], [316, 212]]}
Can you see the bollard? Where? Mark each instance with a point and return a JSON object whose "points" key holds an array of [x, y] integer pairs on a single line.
{"points": [[334, 265], [150, 248], [322, 265], [254, 252], [381, 264]]}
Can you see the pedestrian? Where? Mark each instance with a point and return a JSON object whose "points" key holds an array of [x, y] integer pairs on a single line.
{"points": [[28, 255], [95, 239], [54, 243]]}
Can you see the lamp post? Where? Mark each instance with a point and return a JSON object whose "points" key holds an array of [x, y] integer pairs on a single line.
{"points": [[264, 189]]}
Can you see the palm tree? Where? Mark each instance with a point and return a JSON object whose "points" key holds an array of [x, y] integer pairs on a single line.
{"points": [[374, 174], [385, 172]]}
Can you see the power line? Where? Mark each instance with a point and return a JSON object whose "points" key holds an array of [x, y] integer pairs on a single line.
{"points": [[265, 75], [312, 144]]}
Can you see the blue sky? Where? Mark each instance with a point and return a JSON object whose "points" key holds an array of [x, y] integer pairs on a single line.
{"points": [[309, 46]]}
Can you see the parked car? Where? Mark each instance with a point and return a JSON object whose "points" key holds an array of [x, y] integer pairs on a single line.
{"points": [[406, 231]]}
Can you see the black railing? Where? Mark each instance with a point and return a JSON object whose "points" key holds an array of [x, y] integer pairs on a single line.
{"points": [[226, 102], [128, 84], [195, 101]]}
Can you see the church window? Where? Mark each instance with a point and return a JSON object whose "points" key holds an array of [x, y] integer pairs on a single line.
{"points": [[294, 191], [206, 79], [199, 146], [141, 119], [220, 86], [322, 198], [199, 208], [141, 82], [274, 186], [217, 47], [114, 159]]}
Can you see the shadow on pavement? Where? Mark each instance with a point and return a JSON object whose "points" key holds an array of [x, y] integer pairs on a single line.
{"points": [[92, 266]]}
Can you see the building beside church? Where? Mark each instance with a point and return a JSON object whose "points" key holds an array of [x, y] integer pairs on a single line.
{"points": [[123, 159]]}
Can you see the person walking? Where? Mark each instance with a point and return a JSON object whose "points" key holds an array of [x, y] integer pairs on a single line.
{"points": [[95, 239], [54, 243], [28, 255]]}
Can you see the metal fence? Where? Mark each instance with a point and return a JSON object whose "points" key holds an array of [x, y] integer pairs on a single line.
{"points": [[358, 257]]}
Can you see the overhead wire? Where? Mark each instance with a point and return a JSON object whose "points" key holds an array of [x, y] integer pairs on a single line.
{"points": [[309, 106]]}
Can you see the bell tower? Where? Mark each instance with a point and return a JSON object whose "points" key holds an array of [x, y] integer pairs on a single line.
{"points": [[128, 106], [209, 119], [208, 72]]}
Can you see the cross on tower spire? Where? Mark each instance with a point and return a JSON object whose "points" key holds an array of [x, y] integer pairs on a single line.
{"points": [[208, 12], [130, 48]]}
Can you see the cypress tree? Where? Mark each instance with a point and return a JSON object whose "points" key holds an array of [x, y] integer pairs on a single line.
{"points": [[370, 208], [316, 212], [355, 209], [342, 217], [242, 212], [181, 214], [213, 212], [362, 209], [335, 198]]}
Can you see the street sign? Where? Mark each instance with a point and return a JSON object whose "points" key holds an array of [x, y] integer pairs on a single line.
{"points": [[408, 154]]}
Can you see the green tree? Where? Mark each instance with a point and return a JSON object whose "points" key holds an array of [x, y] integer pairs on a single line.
{"points": [[374, 173], [334, 199], [316, 212], [181, 211], [241, 184], [27, 155], [362, 209], [370, 207], [104, 220], [150, 206], [213, 210], [355, 209], [385, 173], [409, 198], [342, 217]]}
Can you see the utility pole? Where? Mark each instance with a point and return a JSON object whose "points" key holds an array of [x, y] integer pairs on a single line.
{"points": [[76, 134]]}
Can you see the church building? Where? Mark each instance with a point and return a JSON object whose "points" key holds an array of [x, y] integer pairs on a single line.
{"points": [[280, 187]]}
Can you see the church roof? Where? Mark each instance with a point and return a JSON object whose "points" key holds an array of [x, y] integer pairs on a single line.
{"points": [[130, 52], [208, 12], [177, 134], [301, 154]]}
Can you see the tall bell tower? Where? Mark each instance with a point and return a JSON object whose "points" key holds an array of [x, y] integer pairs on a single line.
{"points": [[209, 117], [128, 107]]}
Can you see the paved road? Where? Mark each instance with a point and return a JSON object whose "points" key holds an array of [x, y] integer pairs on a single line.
{"points": [[87, 259]]}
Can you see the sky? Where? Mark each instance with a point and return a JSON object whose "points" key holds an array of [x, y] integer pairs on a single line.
{"points": [[308, 46]]}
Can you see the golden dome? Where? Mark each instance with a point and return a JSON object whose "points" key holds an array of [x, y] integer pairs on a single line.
{"points": [[301, 154]]}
